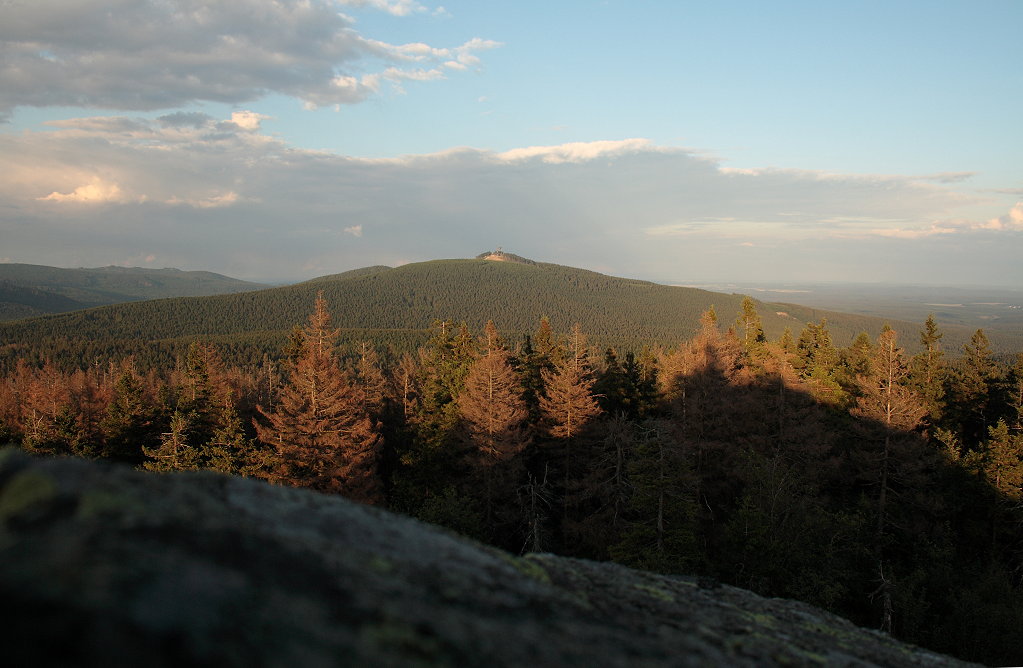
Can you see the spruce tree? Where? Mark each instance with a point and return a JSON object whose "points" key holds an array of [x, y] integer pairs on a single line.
{"points": [[174, 452], [972, 389], [613, 386], [1015, 395], [927, 370], [493, 417], [659, 523], [130, 420], [539, 354], [48, 424], [889, 412], [753, 338], [370, 378], [320, 429], [492, 409], [429, 460], [817, 361], [1000, 460], [568, 403]]}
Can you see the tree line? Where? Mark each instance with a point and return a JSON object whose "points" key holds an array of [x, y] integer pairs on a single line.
{"points": [[394, 309], [884, 487]]}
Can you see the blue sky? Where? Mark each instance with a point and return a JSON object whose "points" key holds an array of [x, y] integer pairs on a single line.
{"points": [[675, 141]]}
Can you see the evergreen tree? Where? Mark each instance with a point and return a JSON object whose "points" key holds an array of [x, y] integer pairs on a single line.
{"points": [[443, 365], [536, 499], [855, 361], [613, 386], [430, 467], [370, 378], [539, 354], [130, 422], [753, 338], [207, 402], [228, 450], [1015, 394], [605, 488], [568, 403], [889, 412], [660, 516], [48, 424], [494, 426], [971, 389], [174, 452], [927, 370], [402, 386], [786, 341], [492, 409], [1000, 460], [817, 360], [320, 429]]}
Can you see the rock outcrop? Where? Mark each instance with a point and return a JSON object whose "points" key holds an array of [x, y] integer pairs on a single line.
{"points": [[104, 565]]}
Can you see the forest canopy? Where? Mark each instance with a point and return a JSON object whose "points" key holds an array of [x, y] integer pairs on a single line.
{"points": [[871, 482]]}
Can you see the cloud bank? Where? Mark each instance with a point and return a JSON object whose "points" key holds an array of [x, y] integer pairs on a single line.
{"points": [[164, 54], [199, 192]]}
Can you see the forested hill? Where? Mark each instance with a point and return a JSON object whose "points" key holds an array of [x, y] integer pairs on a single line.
{"points": [[30, 289], [612, 311]]}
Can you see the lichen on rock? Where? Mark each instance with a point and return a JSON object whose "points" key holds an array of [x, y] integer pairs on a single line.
{"points": [[104, 565]]}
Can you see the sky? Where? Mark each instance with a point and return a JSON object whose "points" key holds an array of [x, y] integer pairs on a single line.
{"points": [[676, 141]]}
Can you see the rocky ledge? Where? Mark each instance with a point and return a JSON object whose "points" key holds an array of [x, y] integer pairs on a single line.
{"points": [[104, 565]]}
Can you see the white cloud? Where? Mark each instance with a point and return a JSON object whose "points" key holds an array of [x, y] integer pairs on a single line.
{"points": [[910, 233], [396, 74], [395, 7], [211, 202], [576, 151], [162, 54], [247, 120], [1010, 221], [354, 230], [95, 192]]}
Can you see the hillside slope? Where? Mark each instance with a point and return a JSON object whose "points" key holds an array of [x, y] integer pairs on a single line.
{"points": [[612, 311], [110, 566], [18, 301], [34, 289]]}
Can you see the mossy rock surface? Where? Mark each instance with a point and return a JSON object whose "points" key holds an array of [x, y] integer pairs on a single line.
{"points": [[103, 565]]}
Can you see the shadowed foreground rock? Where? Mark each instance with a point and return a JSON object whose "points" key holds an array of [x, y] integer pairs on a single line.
{"points": [[104, 565]]}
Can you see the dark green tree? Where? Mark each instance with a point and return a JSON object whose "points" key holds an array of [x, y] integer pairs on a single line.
{"points": [[753, 338], [889, 412], [816, 361], [972, 390], [928, 368], [130, 423], [660, 530], [174, 453]]}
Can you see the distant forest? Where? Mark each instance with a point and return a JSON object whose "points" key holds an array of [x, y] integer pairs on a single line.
{"points": [[28, 290], [394, 310], [880, 485]]}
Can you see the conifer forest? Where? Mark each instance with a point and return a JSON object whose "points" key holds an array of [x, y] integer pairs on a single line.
{"points": [[881, 485]]}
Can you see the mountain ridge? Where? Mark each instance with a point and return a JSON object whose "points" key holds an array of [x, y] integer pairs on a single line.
{"points": [[32, 289], [626, 313]]}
